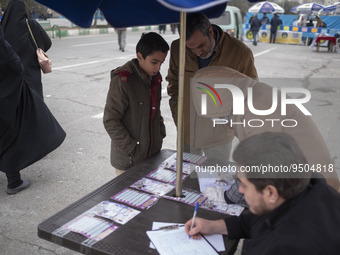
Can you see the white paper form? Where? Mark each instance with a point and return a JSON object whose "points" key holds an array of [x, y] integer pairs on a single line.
{"points": [[215, 240], [176, 241]]}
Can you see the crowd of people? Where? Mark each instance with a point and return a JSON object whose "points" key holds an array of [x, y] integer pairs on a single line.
{"points": [[275, 22], [299, 213]]}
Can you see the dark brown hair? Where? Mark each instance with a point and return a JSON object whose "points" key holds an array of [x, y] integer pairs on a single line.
{"points": [[151, 42], [196, 21]]}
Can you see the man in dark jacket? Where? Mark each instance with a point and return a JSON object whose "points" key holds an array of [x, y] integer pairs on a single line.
{"points": [[264, 19], [255, 25], [292, 214], [275, 22]]}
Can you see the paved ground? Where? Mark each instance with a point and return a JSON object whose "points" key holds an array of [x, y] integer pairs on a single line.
{"points": [[75, 93]]}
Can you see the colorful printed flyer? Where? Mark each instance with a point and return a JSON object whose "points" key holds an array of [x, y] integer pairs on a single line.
{"points": [[165, 175], [93, 223], [135, 198], [170, 163], [90, 226], [222, 207], [193, 158], [152, 186], [189, 197], [116, 212]]}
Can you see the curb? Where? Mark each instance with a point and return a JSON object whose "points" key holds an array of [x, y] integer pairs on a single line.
{"points": [[93, 31]]}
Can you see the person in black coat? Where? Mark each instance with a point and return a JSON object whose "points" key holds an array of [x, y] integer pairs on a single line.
{"points": [[291, 212], [264, 19], [18, 36], [28, 130], [275, 22], [255, 25]]}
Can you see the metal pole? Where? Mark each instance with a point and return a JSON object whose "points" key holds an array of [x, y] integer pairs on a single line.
{"points": [[180, 106]]}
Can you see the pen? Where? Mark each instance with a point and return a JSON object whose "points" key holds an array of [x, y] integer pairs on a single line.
{"points": [[193, 218], [169, 227]]}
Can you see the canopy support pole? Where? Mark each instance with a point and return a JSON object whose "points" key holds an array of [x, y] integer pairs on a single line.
{"points": [[180, 129]]}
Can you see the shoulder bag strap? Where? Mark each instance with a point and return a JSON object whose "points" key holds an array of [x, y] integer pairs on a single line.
{"points": [[29, 28]]}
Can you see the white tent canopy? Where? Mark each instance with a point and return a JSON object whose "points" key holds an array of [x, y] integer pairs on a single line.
{"points": [[307, 8], [266, 7], [334, 8]]}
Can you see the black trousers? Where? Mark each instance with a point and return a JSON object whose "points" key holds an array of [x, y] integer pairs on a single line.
{"points": [[13, 180], [273, 36]]}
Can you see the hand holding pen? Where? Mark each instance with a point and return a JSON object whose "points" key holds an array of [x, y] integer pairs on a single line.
{"points": [[193, 218]]}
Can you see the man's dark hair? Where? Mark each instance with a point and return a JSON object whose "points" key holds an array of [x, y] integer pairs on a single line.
{"points": [[151, 42], [197, 21], [276, 150]]}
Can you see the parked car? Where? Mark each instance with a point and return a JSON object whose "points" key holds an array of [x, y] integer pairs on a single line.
{"points": [[230, 21]]}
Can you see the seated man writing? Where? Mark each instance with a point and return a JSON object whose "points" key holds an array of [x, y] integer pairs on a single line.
{"points": [[289, 213]]}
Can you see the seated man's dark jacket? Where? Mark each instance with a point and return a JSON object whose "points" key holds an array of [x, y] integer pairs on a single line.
{"points": [[308, 224]]}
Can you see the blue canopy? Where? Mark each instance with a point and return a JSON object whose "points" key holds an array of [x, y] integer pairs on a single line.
{"points": [[307, 8], [266, 7], [127, 13], [332, 8]]}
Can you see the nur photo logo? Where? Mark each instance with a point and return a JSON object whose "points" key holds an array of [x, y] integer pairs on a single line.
{"points": [[243, 101], [204, 97]]}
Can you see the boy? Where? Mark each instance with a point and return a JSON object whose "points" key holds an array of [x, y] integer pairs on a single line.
{"points": [[132, 114]]}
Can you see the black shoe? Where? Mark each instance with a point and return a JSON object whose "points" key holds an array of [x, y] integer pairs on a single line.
{"points": [[24, 185], [122, 50]]}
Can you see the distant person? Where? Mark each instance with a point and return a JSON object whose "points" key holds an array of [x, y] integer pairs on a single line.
{"points": [[132, 115], [255, 26], [162, 28], [174, 27], [121, 32], [288, 215], [320, 22], [264, 19], [302, 23], [17, 34], [323, 24], [28, 130], [275, 22], [310, 23]]}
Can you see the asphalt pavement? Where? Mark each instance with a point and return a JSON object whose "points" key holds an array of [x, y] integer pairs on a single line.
{"points": [[76, 91]]}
